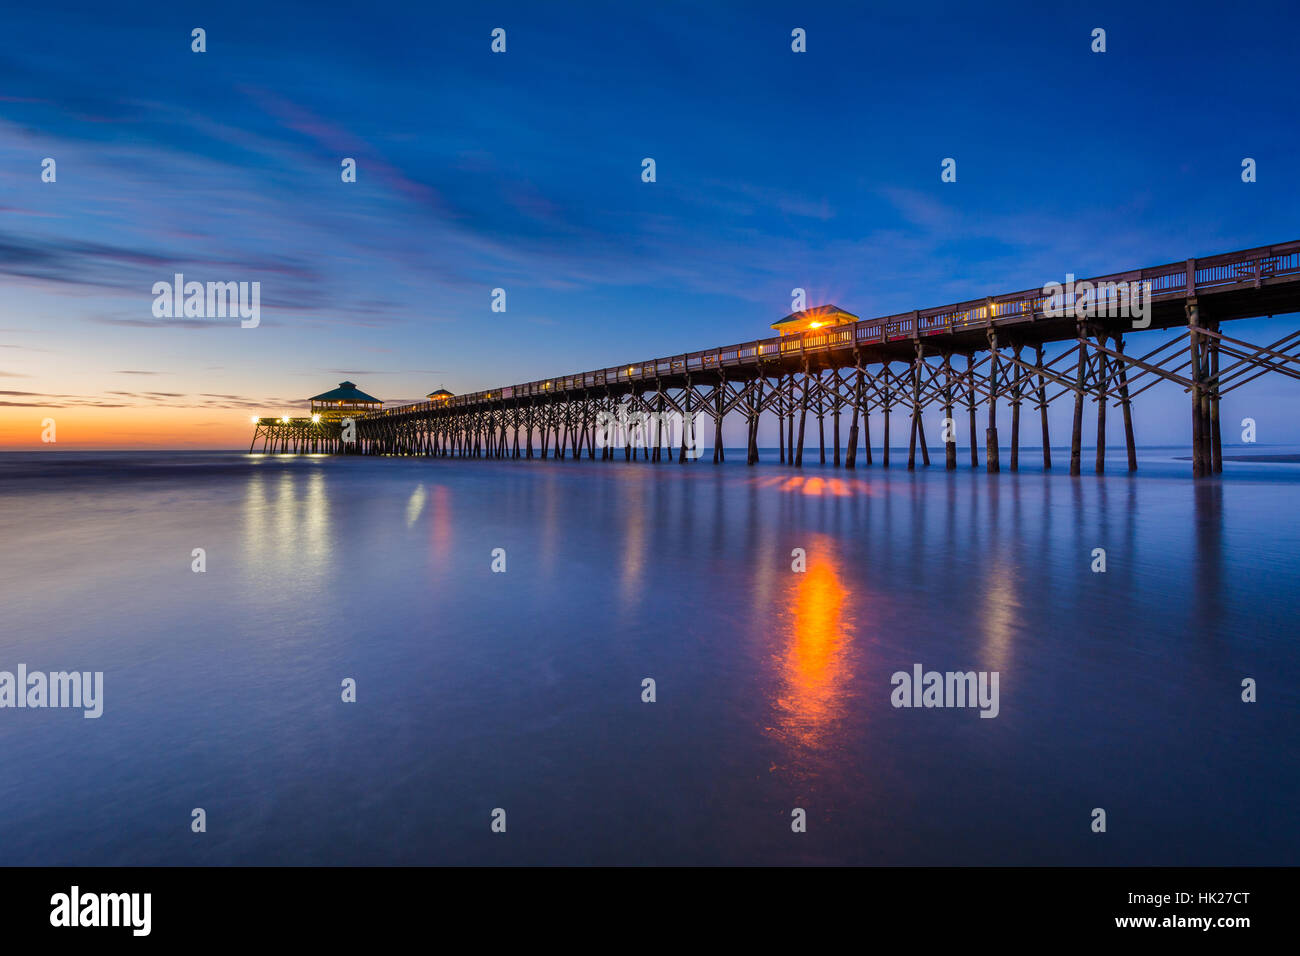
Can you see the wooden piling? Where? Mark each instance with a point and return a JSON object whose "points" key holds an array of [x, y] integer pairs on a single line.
{"points": [[1042, 409], [1015, 410], [866, 428], [916, 408], [889, 401], [851, 454], [920, 418], [803, 417], [688, 430], [835, 414], [780, 418], [1076, 433], [1103, 373], [970, 407], [991, 459], [1194, 350], [1216, 440], [659, 423], [717, 420], [789, 425], [949, 433], [821, 418]]}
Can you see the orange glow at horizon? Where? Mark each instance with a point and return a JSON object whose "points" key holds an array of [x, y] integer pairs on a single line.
{"points": [[126, 428]]}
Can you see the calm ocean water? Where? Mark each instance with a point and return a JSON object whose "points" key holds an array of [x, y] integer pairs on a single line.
{"points": [[522, 690]]}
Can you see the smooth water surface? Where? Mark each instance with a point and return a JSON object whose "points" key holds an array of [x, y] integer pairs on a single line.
{"points": [[522, 690]]}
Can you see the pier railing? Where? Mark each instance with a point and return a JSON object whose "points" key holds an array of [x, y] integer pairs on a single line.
{"points": [[1250, 268]]}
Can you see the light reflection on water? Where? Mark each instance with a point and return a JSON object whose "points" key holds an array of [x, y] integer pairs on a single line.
{"points": [[286, 521], [440, 524], [523, 689], [998, 617], [816, 626]]}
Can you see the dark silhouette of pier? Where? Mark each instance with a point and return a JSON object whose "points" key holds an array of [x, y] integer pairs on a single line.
{"points": [[956, 357]]}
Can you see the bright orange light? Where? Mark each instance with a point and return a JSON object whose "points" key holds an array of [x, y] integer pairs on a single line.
{"points": [[813, 664], [819, 487], [815, 325]]}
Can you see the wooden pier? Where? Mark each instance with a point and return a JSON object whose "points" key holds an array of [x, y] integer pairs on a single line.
{"points": [[956, 358], [323, 431]]}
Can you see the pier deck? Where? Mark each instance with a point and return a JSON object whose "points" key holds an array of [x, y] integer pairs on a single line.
{"points": [[958, 356]]}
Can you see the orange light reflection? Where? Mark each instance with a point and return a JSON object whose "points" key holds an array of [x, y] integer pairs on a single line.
{"points": [[813, 666], [818, 487]]}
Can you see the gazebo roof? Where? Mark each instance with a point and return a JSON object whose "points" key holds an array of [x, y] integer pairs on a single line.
{"points": [[346, 392], [440, 393], [825, 314]]}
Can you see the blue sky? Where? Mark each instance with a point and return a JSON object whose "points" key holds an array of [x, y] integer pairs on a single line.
{"points": [[522, 171]]}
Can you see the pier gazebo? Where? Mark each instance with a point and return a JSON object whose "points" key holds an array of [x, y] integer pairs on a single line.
{"points": [[319, 433], [346, 401], [819, 316]]}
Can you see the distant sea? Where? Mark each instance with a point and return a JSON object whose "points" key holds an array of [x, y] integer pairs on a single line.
{"points": [[522, 690]]}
